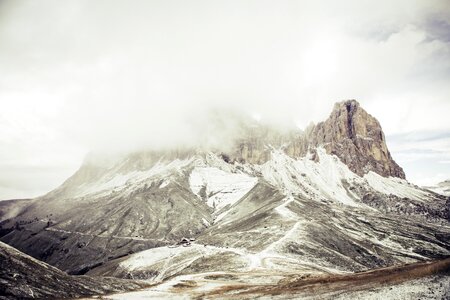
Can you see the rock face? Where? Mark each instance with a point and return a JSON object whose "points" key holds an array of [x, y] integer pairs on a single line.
{"points": [[350, 133], [357, 139], [253, 144]]}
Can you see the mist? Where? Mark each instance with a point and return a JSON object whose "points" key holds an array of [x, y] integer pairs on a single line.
{"points": [[115, 76]]}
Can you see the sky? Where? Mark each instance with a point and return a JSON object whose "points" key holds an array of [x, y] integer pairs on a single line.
{"points": [[97, 76]]}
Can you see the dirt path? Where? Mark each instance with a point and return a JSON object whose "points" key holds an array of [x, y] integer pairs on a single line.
{"points": [[320, 284]]}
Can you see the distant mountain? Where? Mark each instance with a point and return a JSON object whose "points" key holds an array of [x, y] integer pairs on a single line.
{"points": [[441, 188], [329, 199]]}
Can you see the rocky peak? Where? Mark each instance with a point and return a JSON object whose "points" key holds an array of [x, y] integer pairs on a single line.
{"points": [[357, 139], [349, 132]]}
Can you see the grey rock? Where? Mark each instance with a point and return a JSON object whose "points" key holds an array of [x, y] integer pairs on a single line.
{"points": [[350, 133], [357, 139], [23, 277]]}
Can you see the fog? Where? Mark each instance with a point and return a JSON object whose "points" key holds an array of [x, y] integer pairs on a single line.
{"points": [[107, 76]]}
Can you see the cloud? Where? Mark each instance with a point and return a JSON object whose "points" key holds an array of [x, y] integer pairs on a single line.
{"points": [[438, 28], [422, 154], [79, 76]]}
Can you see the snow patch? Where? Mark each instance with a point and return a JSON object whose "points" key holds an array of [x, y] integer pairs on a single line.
{"points": [[286, 212], [220, 188], [113, 181], [321, 180], [395, 186], [164, 183]]}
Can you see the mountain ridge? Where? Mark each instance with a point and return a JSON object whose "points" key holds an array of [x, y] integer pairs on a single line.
{"points": [[305, 212], [349, 132]]}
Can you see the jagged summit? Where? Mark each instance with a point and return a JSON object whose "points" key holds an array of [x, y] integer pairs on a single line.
{"points": [[350, 133], [357, 139]]}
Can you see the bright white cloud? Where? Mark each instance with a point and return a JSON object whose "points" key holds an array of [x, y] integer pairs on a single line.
{"points": [[94, 75]]}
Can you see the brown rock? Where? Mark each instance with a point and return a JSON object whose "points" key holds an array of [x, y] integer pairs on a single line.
{"points": [[357, 139], [350, 133]]}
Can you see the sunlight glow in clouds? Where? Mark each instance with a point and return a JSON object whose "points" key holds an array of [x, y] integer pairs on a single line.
{"points": [[320, 61]]}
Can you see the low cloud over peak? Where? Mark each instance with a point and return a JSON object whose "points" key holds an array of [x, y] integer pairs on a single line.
{"points": [[84, 76]]}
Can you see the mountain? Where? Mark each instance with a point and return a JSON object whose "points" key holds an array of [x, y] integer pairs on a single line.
{"points": [[24, 277], [326, 200], [441, 188], [350, 133], [357, 139]]}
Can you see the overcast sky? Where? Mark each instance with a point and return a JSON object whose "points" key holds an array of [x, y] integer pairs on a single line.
{"points": [[81, 76]]}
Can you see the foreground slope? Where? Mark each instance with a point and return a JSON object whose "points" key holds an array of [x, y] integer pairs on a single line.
{"points": [[425, 280], [23, 277]]}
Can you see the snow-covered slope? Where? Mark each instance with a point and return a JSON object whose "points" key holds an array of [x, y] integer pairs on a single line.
{"points": [[304, 215], [323, 179], [442, 188], [395, 186], [274, 203], [115, 181], [219, 188], [260, 210]]}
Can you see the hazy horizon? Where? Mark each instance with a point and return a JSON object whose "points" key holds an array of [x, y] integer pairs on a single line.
{"points": [[82, 76]]}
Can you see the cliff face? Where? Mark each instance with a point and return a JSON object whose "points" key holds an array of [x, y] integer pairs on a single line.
{"points": [[350, 133], [357, 139]]}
